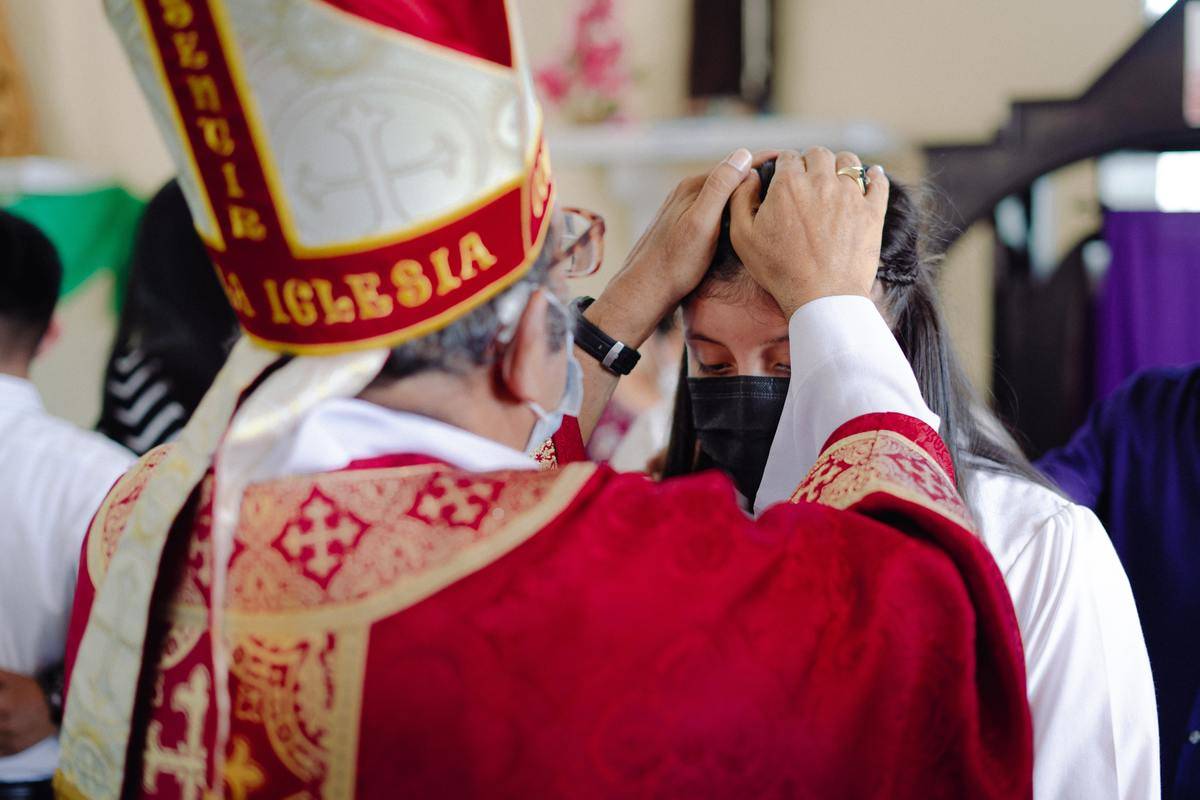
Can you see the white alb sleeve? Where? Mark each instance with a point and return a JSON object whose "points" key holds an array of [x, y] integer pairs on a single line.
{"points": [[845, 363]]}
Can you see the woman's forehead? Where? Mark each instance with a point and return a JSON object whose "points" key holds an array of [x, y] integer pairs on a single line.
{"points": [[752, 319]]}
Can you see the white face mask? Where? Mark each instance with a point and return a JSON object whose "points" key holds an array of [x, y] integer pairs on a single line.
{"points": [[548, 422]]}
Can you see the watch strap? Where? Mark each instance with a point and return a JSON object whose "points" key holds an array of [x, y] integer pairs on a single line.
{"points": [[614, 355], [51, 683]]}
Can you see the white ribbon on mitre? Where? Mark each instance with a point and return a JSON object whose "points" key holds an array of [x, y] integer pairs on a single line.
{"points": [[265, 419]]}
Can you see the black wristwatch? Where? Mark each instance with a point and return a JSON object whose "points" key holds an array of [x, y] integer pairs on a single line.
{"points": [[51, 683], [616, 357]]}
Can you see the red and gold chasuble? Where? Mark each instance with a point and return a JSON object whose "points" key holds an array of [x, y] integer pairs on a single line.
{"points": [[403, 628]]}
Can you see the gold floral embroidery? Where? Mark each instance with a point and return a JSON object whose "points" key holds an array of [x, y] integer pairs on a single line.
{"points": [[881, 461], [306, 693], [404, 521], [283, 685], [114, 512]]}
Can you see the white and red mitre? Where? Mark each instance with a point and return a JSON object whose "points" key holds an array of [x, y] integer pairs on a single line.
{"points": [[362, 171]]}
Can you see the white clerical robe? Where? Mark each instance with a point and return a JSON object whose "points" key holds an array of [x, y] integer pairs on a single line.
{"points": [[1089, 683]]}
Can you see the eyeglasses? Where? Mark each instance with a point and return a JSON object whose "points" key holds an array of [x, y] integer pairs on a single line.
{"points": [[510, 305], [581, 247], [580, 250]]}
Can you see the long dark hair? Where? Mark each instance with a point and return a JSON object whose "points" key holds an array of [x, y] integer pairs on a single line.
{"points": [[977, 440]]}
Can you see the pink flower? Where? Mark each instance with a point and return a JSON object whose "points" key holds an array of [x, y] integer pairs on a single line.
{"points": [[591, 21], [593, 12], [589, 82], [554, 82], [598, 65]]}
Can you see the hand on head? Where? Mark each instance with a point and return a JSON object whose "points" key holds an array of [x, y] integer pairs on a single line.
{"points": [[678, 246], [815, 234], [667, 263], [671, 257]]}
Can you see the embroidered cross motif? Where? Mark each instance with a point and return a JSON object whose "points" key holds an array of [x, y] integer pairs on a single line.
{"points": [[376, 170], [457, 500], [242, 774], [322, 531], [187, 763]]}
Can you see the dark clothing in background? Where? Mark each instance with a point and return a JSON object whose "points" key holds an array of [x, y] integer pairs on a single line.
{"points": [[1043, 375], [28, 790], [1136, 463], [717, 68], [175, 330]]}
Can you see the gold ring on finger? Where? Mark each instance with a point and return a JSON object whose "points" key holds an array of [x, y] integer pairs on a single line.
{"points": [[859, 173]]}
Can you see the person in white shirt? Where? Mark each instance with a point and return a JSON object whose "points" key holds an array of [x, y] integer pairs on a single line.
{"points": [[1088, 674], [52, 479]]}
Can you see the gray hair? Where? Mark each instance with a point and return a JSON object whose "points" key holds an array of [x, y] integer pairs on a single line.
{"points": [[468, 343]]}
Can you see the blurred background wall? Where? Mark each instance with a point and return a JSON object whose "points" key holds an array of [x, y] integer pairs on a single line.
{"points": [[86, 103], [922, 71]]}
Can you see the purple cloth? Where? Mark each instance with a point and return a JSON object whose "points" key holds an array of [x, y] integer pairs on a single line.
{"points": [[1146, 312], [1136, 463]]}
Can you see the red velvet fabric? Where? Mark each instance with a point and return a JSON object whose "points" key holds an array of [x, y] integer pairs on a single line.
{"points": [[996, 625], [475, 27], [653, 642], [568, 442]]}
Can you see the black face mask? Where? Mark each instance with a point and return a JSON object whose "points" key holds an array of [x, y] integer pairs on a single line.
{"points": [[735, 421]]}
